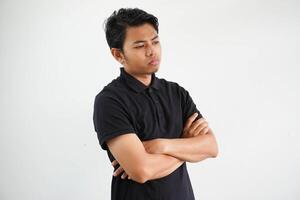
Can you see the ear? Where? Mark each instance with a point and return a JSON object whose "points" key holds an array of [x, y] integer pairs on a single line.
{"points": [[117, 54]]}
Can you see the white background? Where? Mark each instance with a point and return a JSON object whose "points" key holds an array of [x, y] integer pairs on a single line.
{"points": [[238, 59]]}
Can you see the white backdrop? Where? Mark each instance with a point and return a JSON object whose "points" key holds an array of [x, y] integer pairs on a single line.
{"points": [[238, 59]]}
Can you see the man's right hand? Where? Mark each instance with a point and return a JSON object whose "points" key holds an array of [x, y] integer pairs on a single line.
{"points": [[193, 128]]}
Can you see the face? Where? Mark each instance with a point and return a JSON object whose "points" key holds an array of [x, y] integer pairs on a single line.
{"points": [[141, 51]]}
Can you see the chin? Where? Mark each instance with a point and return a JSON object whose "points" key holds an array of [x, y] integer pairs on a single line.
{"points": [[154, 69]]}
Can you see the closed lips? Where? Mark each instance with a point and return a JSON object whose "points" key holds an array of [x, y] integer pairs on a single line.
{"points": [[154, 61]]}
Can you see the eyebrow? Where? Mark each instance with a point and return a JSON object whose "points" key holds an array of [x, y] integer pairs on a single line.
{"points": [[139, 41]]}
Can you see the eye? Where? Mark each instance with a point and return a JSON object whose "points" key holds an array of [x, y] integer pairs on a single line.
{"points": [[139, 46], [156, 42]]}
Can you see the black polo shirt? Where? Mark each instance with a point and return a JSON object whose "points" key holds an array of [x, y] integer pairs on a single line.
{"points": [[160, 110]]}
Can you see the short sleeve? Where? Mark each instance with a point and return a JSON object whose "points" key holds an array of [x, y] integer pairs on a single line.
{"points": [[110, 119], [187, 105]]}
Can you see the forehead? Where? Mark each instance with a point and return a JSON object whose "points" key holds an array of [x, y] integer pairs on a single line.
{"points": [[143, 32]]}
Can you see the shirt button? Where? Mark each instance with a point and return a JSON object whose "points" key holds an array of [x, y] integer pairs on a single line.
{"points": [[150, 90]]}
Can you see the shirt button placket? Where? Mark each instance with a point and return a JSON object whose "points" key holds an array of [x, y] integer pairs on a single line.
{"points": [[155, 102]]}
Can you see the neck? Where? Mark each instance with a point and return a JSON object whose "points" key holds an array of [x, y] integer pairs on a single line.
{"points": [[144, 78]]}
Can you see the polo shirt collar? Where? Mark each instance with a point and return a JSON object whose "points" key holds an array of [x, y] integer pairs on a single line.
{"points": [[137, 85]]}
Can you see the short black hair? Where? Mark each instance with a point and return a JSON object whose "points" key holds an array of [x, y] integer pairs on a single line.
{"points": [[119, 21]]}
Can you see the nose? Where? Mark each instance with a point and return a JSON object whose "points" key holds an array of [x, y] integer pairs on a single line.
{"points": [[149, 51]]}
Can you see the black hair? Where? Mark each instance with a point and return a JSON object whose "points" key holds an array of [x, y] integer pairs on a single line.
{"points": [[119, 21]]}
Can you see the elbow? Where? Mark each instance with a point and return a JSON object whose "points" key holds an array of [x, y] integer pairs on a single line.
{"points": [[215, 151], [141, 180], [214, 154], [140, 175]]}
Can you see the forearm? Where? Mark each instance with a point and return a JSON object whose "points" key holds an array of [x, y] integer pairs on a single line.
{"points": [[160, 165], [192, 149]]}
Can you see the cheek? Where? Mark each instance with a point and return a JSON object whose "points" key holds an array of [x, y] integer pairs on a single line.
{"points": [[138, 57], [132, 56], [158, 50]]}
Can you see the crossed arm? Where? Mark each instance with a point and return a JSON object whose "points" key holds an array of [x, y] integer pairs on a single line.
{"points": [[148, 160]]}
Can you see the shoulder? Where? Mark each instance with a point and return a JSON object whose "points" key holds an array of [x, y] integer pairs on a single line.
{"points": [[112, 91], [110, 100]]}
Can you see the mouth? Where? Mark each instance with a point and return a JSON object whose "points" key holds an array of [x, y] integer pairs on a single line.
{"points": [[154, 62]]}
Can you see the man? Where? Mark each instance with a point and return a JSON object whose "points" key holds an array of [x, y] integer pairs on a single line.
{"points": [[149, 126]]}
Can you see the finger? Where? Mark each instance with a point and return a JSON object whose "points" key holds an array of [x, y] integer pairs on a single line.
{"points": [[113, 163], [201, 130], [197, 123], [118, 171], [190, 120], [124, 175], [204, 131], [190, 132]]}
